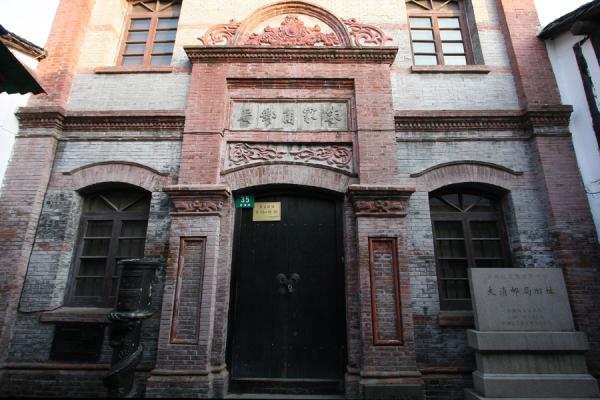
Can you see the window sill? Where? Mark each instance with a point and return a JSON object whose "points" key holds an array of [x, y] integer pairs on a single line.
{"points": [[456, 319], [136, 69], [450, 69], [76, 314]]}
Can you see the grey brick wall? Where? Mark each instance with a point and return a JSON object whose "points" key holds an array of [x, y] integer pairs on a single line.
{"points": [[51, 262], [161, 156], [97, 92], [443, 346]]}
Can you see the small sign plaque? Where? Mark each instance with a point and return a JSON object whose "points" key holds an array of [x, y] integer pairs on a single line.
{"points": [[244, 201], [266, 211]]}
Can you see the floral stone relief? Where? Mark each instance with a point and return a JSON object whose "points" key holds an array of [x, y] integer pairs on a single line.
{"points": [[333, 156]]}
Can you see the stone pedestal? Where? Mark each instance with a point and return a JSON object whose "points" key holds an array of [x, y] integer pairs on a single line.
{"points": [[525, 342]]}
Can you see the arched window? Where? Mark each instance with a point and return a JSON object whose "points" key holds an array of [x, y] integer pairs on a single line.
{"points": [[438, 30], [113, 227], [468, 232], [151, 32]]}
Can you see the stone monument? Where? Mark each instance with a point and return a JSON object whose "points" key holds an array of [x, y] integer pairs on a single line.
{"points": [[525, 340]]}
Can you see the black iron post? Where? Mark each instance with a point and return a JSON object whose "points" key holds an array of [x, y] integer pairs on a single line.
{"points": [[133, 307]]}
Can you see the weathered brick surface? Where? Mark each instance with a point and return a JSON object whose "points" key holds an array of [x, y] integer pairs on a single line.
{"points": [[536, 85], [20, 204], [57, 71], [544, 206], [95, 92]]}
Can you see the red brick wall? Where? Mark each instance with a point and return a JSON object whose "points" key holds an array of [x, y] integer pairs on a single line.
{"points": [[572, 232], [57, 70], [207, 113], [531, 67]]}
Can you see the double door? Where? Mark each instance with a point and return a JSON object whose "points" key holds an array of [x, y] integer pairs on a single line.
{"points": [[287, 316]]}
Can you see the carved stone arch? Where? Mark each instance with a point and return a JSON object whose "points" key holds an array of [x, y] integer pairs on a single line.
{"points": [[299, 175], [462, 172], [118, 172], [291, 7]]}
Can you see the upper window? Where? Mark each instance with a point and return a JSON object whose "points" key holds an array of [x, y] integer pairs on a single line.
{"points": [[151, 33], [468, 233], [438, 32], [113, 227]]}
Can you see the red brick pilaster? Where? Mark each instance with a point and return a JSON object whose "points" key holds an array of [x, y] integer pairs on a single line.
{"points": [[203, 133], [56, 72], [531, 67], [21, 200], [183, 365], [569, 219], [572, 233], [388, 343]]}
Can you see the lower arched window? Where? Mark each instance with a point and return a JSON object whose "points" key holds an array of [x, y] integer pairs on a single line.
{"points": [[468, 232], [113, 227]]}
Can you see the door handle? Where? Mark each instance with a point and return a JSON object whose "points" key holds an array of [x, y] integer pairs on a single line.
{"points": [[287, 285]]}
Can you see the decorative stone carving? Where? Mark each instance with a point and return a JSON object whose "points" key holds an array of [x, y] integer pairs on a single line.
{"points": [[379, 207], [198, 206], [293, 32], [379, 201], [337, 156], [243, 153], [220, 35], [290, 116], [197, 199], [366, 35], [334, 156]]}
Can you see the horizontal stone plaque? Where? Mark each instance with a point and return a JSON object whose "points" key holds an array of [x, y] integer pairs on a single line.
{"points": [[332, 156], [290, 116], [520, 299]]}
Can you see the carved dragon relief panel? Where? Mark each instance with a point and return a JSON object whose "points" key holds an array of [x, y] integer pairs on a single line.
{"points": [[339, 157], [294, 30]]}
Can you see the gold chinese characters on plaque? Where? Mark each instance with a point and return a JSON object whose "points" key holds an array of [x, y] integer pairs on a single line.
{"points": [[266, 211]]}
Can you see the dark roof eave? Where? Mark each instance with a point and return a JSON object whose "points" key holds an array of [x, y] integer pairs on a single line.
{"points": [[21, 44], [14, 76], [587, 11]]}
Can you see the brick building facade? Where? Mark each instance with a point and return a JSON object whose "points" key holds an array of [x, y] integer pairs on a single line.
{"points": [[408, 117]]}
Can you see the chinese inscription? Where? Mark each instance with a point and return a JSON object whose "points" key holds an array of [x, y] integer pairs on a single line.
{"points": [[520, 299], [291, 116]]}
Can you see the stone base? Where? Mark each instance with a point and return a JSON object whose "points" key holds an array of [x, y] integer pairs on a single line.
{"points": [[472, 395], [564, 386], [178, 386], [393, 392]]}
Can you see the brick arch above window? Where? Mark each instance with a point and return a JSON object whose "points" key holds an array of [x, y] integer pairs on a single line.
{"points": [[467, 171], [119, 172]]}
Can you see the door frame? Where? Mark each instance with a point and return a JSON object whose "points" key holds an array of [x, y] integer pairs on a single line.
{"points": [[290, 386]]}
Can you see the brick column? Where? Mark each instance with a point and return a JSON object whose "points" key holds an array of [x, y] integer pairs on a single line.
{"points": [[531, 67], [56, 71], [30, 168], [183, 364], [21, 201], [569, 219], [389, 366]]}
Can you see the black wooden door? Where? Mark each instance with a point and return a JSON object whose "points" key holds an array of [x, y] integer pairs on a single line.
{"points": [[287, 326]]}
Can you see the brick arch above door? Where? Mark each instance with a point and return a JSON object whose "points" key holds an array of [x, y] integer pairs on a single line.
{"points": [[288, 175]]}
